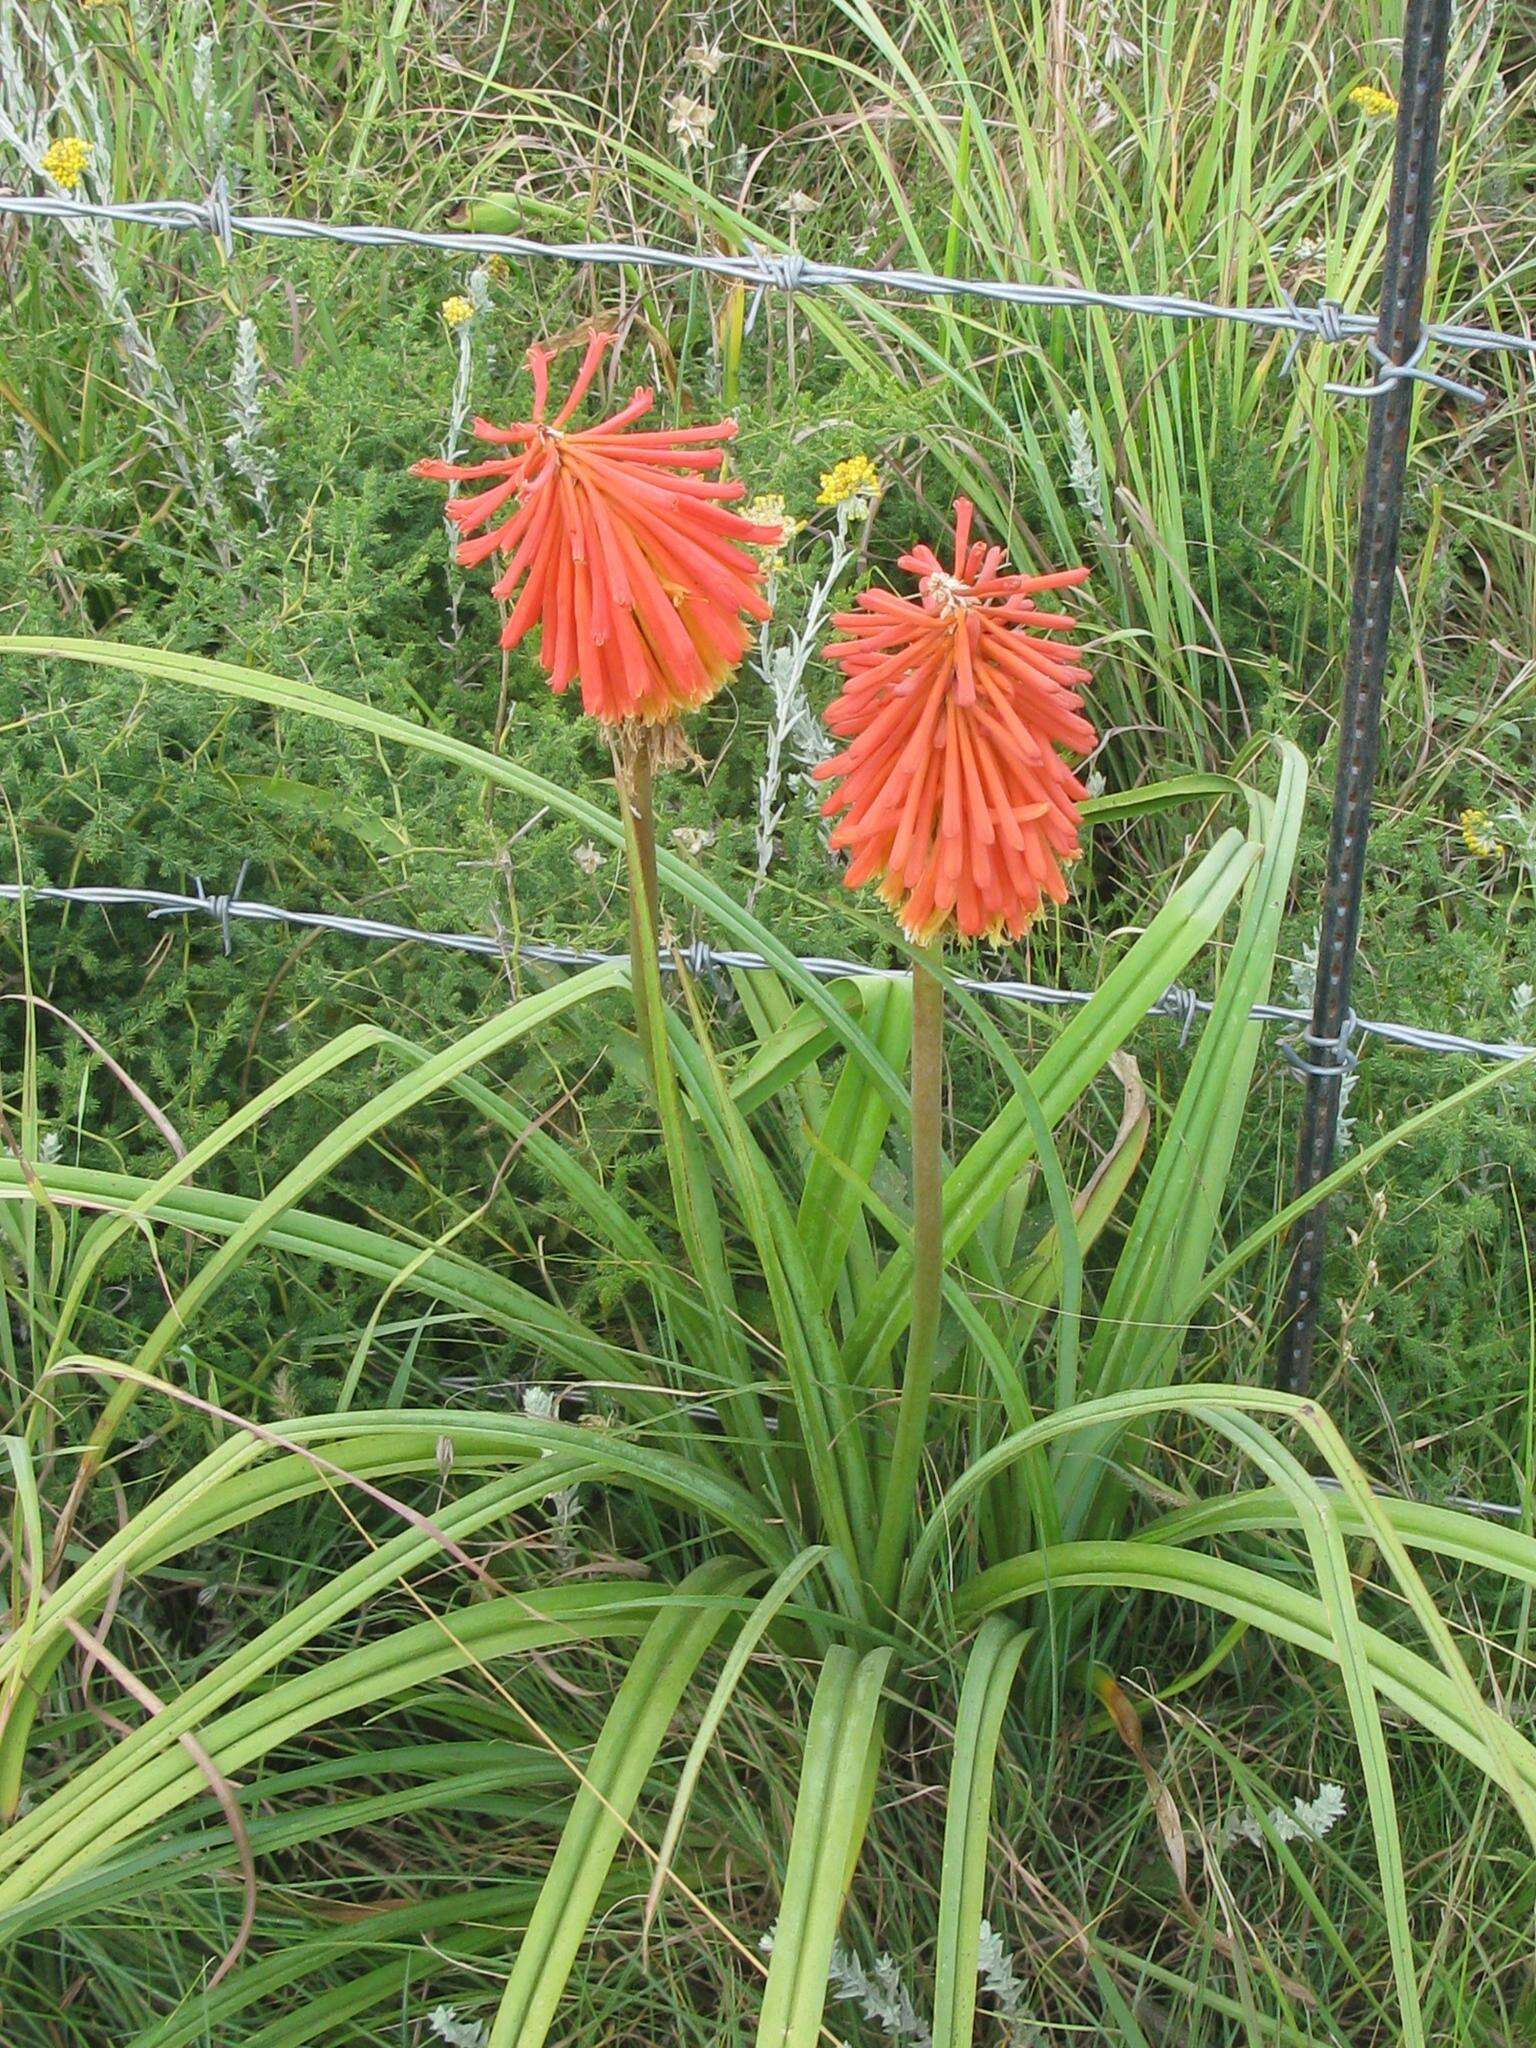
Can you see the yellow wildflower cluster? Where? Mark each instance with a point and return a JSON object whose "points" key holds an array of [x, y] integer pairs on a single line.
{"points": [[1479, 834], [457, 309], [65, 159], [1371, 101], [854, 477], [497, 268]]}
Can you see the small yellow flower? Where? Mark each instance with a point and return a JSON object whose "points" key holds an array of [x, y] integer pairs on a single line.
{"points": [[1371, 101], [854, 477], [497, 268], [65, 159], [1479, 834], [457, 309]]}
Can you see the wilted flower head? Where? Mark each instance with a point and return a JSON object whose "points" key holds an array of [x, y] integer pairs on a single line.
{"points": [[693, 839], [954, 703], [706, 57], [768, 510], [619, 546], [689, 120]]}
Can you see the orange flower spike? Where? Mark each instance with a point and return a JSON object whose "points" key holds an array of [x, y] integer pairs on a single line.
{"points": [[619, 546], [951, 793]]}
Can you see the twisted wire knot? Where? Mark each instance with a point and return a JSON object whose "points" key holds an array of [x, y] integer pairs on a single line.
{"points": [[1182, 1004], [216, 213], [698, 958], [222, 907], [1326, 321], [782, 267], [1339, 1058]]}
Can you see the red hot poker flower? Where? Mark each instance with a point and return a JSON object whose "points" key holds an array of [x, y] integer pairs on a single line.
{"points": [[954, 703], [618, 545]]}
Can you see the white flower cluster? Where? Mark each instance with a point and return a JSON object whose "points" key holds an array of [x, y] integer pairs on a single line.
{"points": [[795, 730], [1308, 1820], [248, 456], [564, 1502], [885, 2000], [447, 2026], [1083, 473]]}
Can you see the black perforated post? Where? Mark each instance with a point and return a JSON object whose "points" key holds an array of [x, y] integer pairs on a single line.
{"points": [[1426, 30]]}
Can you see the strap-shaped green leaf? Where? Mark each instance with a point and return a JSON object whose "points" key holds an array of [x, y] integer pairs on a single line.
{"points": [[748, 1636], [621, 1761], [1264, 1601], [1168, 1246], [831, 1812], [850, 1139], [824, 1412], [148, 1774], [989, 1675]]}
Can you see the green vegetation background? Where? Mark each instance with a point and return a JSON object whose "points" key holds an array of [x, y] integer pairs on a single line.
{"points": [[1214, 502]]}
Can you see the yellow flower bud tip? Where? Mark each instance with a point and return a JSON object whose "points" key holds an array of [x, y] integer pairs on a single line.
{"points": [[854, 477], [456, 310], [1371, 101], [64, 161]]}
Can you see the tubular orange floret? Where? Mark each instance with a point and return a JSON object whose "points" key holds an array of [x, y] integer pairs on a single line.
{"points": [[618, 545], [952, 796]]}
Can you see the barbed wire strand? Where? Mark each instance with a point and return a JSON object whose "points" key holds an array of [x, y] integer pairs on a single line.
{"points": [[1179, 1003], [789, 271]]}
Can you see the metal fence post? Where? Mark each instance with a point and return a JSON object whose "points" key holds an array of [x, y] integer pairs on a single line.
{"points": [[1426, 33]]}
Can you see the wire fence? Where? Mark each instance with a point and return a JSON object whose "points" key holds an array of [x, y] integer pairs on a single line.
{"points": [[765, 269], [707, 962]]}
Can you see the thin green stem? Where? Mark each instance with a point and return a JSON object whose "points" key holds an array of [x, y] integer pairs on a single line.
{"points": [[633, 774], [927, 1276]]}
